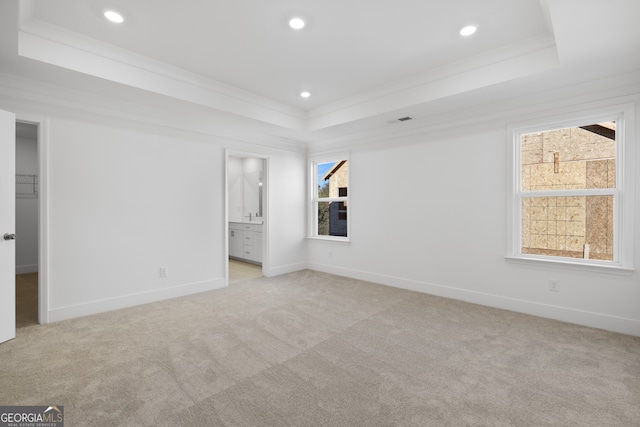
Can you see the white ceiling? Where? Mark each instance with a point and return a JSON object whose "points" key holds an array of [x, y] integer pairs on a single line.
{"points": [[348, 47], [360, 59]]}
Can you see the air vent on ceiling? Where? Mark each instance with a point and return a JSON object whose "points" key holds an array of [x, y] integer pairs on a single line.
{"points": [[401, 119]]}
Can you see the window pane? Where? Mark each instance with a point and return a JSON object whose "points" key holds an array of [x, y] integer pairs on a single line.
{"points": [[574, 227], [571, 158], [332, 219], [333, 179]]}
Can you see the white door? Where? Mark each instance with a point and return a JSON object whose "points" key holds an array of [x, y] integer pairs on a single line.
{"points": [[7, 226]]}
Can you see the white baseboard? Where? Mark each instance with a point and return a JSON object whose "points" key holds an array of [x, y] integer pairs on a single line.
{"points": [[285, 269], [24, 269], [565, 314], [108, 304]]}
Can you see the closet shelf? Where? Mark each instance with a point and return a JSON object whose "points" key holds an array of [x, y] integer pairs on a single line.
{"points": [[26, 185]]}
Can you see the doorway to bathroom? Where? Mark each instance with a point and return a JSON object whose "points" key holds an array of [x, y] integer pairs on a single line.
{"points": [[247, 215]]}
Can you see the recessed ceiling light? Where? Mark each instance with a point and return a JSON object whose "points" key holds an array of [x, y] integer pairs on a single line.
{"points": [[296, 23], [305, 94], [114, 16], [468, 30]]}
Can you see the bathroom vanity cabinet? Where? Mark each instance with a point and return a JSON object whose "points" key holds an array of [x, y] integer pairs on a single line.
{"points": [[245, 241]]}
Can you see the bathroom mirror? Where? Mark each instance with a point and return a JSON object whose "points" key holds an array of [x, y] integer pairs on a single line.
{"points": [[253, 194]]}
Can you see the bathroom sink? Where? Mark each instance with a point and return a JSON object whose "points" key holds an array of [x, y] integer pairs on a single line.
{"points": [[244, 221]]}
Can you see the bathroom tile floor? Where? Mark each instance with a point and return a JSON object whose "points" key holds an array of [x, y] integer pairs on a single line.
{"points": [[239, 270]]}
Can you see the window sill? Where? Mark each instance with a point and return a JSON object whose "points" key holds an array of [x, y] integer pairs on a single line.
{"points": [[572, 265], [331, 239]]}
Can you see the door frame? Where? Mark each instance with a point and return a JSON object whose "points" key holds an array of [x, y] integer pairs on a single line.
{"points": [[42, 145], [265, 209]]}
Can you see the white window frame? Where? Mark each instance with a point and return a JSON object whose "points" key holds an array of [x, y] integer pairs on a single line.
{"points": [[314, 199], [623, 193]]}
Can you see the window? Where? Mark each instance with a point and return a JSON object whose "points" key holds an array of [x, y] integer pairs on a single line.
{"points": [[330, 199], [567, 193]]}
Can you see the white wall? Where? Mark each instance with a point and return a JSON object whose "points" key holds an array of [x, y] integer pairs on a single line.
{"points": [[26, 209], [429, 214], [128, 196], [125, 203], [286, 213], [251, 164], [131, 194]]}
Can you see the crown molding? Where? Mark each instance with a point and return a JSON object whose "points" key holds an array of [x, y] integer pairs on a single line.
{"points": [[54, 45], [29, 96], [620, 88], [51, 44], [514, 61]]}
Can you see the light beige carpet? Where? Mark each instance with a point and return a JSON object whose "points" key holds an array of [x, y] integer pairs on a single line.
{"points": [[311, 349]]}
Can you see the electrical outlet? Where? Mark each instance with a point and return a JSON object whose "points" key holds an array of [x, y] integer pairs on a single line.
{"points": [[164, 272], [554, 285], [330, 254]]}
